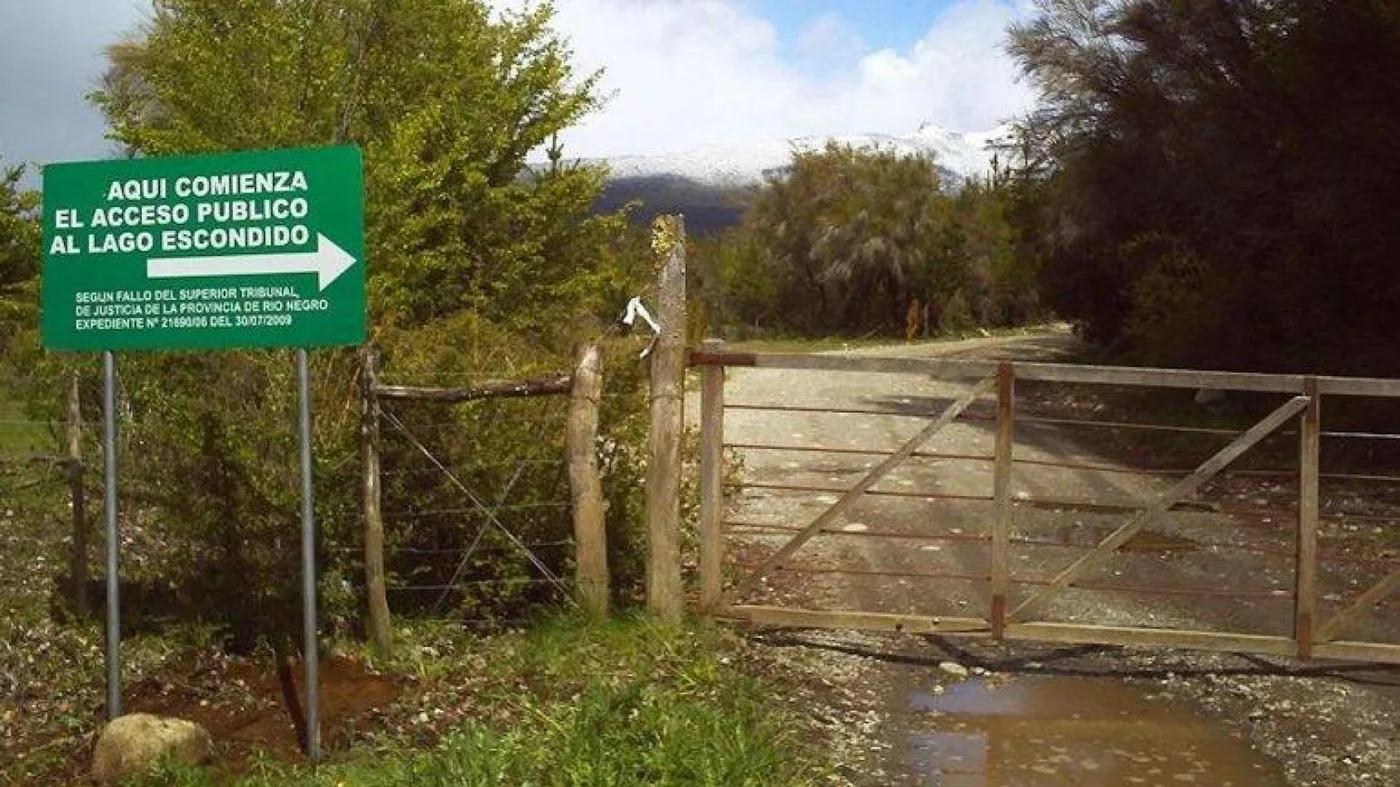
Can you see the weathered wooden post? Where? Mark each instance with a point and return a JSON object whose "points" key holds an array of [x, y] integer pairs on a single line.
{"points": [[711, 480], [78, 568], [377, 620], [585, 487], [664, 592], [1001, 492], [1305, 594]]}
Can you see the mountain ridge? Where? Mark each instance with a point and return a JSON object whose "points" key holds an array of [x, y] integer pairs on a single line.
{"points": [[746, 163], [709, 183]]}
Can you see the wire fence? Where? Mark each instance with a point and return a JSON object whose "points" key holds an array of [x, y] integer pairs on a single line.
{"points": [[476, 503], [476, 496]]}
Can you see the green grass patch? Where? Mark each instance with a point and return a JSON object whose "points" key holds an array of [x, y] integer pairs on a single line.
{"points": [[566, 702], [20, 435]]}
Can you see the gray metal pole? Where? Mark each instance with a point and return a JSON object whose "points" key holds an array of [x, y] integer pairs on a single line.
{"points": [[308, 565], [109, 491]]}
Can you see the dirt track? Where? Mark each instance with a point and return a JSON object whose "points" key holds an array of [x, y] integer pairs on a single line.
{"points": [[1313, 725]]}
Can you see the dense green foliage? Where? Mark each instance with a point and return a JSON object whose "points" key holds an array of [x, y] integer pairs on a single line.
{"points": [[849, 239], [19, 254], [444, 101], [475, 272], [1219, 177]]}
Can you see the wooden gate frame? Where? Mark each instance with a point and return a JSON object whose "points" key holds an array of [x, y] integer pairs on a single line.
{"points": [[1309, 639]]}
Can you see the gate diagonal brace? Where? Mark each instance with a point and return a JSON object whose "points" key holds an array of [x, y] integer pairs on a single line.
{"points": [[853, 494], [1183, 489], [1348, 616]]}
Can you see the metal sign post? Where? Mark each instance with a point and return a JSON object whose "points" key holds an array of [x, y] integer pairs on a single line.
{"points": [[235, 250], [308, 563], [109, 498]]}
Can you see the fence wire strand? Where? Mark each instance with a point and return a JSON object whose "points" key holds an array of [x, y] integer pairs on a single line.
{"points": [[476, 502]]}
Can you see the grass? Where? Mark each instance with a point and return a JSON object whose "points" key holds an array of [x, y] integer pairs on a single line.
{"points": [[643, 733], [566, 702], [20, 435]]}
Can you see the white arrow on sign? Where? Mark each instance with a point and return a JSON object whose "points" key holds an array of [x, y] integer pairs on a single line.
{"points": [[328, 261]]}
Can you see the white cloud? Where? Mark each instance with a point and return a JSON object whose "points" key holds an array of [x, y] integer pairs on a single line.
{"points": [[684, 73], [829, 37]]}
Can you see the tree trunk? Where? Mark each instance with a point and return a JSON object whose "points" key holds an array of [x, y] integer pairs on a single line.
{"points": [[78, 567], [377, 621]]}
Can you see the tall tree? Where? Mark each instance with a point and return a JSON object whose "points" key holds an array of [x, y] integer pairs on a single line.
{"points": [[445, 97], [851, 240], [1219, 173], [848, 228], [466, 250]]}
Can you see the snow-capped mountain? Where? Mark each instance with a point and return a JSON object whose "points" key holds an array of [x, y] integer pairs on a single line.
{"points": [[709, 184], [745, 164]]}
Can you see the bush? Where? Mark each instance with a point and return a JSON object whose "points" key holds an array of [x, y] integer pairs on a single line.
{"points": [[507, 453], [209, 479], [852, 241]]}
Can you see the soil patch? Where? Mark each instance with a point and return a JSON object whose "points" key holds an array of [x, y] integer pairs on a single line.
{"points": [[243, 706]]}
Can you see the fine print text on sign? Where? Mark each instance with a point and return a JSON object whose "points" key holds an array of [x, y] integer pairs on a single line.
{"points": [[257, 249]]}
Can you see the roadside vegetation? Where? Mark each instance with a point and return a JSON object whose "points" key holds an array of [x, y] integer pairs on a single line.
{"points": [[1211, 183], [475, 272], [1205, 184], [866, 243], [562, 701]]}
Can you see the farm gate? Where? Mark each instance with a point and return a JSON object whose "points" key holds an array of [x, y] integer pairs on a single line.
{"points": [[969, 497]]}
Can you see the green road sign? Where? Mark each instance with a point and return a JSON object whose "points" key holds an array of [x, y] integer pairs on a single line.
{"points": [[256, 249]]}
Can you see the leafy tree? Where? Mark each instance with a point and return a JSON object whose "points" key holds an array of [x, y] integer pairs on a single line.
{"points": [[849, 239], [466, 250], [1220, 176], [19, 254], [445, 97]]}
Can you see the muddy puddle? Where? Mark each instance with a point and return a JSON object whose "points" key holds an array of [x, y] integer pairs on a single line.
{"points": [[1041, 731]]}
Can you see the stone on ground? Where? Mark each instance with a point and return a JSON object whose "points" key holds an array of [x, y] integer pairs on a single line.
{"points": [[953, 668], [130, 744]]}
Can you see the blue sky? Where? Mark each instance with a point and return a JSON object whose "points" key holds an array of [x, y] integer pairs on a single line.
{"points": [[680, 73], [880, 23]]}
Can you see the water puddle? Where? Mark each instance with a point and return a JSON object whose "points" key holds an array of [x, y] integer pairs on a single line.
{"points": [[1090, 732]]}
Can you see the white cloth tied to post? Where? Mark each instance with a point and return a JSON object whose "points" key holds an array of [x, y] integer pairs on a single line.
{"points": [[634, 310]]}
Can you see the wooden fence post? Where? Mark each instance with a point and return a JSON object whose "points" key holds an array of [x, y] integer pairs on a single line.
{"points": [[664, 592], [711, 481], [377, 621], [1001, 491], [78, 568], [585, 487], [1305, 594]]}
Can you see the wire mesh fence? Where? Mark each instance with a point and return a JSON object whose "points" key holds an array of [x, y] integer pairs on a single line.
{"points": [[476, 505]]}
